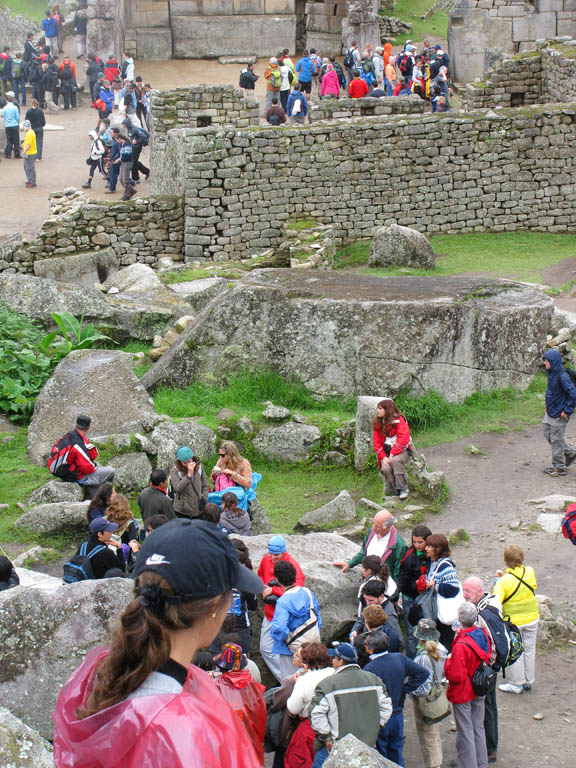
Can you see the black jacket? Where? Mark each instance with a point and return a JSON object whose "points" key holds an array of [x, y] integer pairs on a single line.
{"points": [[104, 560], [411, 568], [37, 119], [12, 581]]}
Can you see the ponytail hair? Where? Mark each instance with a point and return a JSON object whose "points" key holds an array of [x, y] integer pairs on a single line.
{"points": [[432, 650], [140, 642]]}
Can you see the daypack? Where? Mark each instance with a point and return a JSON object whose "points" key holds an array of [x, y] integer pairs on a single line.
{"points": [[274, 120], [349, 59], [142, 135], [79, 567], [506, 636], [18, 69], [569, 523], [572, 373], [275, 78], [403, 66], [59, 461], [367, 66], [3, 59], [67, 73], [434, 707], [484, 677]]}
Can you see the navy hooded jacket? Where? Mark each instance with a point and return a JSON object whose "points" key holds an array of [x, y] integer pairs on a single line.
{"points": [[560, 392], [400, 674]]}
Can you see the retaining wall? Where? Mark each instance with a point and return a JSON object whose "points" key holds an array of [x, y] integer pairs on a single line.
{"points": [[333, 109]]}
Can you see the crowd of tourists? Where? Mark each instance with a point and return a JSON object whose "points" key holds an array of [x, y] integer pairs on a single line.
{"points": [[375, 72], [178, 680]]}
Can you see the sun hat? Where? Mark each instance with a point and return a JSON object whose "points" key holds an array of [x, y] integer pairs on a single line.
{"points": [[344, 651], [184, 453], [196, 559], [277, 545], [426, 630], [101, 524]]}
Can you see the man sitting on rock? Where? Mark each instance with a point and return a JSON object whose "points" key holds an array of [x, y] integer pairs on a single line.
{"points": [[154, 500], [73, 459], [382, 540]]}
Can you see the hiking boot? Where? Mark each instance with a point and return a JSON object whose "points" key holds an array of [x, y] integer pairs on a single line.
{"points": [[527, 686], [555, 471], [510, 688], [403, 494], [570, 458], [87, 185]]}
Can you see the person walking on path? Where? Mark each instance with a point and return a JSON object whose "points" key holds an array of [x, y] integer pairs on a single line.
{"points": [[30, 153], [97, 152], [50, 29], [560, 404], [37, 120]]}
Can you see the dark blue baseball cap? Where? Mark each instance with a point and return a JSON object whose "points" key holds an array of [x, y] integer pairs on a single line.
{"points": [[196, 559], [101, 524], [344, 651]]}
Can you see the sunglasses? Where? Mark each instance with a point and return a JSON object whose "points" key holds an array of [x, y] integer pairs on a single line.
{"points": [[222, 454]]}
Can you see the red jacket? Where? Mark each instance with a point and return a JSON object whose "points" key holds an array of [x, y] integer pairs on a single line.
{"points": [[462, 663], [84, 456], [193, 729], [111, 70], [266, 573], [400, 430], [357, 89], [246, 697]]}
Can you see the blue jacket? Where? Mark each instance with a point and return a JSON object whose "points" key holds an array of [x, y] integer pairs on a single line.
{"points": [[292, 610], [560, 392], [305, 69], [108, 98], [400, 674], [297, 96], [50, 27], [11, 115], [114, 151]]}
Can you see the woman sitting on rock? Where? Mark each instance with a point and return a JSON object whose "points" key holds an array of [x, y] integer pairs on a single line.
{"points": [[231, 469], [393, 446], [101, 501], [126, 535], [237, 520], [189, 483]]}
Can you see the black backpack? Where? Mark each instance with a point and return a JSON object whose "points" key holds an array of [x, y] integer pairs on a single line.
{"points": [[572, 373], [506, 636], [142, 135], [349, 59], [79, 567], [484, 677], [67, 73]]}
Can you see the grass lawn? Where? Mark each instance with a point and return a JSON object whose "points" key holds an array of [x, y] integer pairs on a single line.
{"points": [[31, 9], [411, 11], [513, 255]]}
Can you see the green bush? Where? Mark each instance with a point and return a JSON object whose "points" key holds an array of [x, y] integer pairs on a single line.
{"points": [[23, 368]]}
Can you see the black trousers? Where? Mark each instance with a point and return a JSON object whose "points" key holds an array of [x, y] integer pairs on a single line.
{"points": [[12, 141], [491, 722], [137, 166]]}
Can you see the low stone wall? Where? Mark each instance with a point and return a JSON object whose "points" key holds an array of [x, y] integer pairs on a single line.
{"points": [[140, 230], [195, 107], [333, 109], [450, 173], [559, 71], [14, 30], [513, 82]]}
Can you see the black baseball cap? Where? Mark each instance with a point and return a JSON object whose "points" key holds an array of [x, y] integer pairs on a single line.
{"points": [[196, 559], [83, 421]]}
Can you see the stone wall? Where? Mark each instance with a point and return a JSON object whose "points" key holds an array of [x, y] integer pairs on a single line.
{"points": [[194, 107], [509, 26], [14, 30], [324, 26], [106, 27], [559, 71], [451, 173], [333, 109], [140, 230]]}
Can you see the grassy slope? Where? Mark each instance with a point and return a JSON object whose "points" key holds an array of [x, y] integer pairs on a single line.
{"points": [[31, 9], [514, 255], [411, 11]]}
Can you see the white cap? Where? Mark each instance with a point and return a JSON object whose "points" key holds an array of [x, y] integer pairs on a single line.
{"points": [[10, 93], [273, 60]]}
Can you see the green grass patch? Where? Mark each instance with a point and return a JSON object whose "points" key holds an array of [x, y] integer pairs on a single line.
{"points": [[411, 11], [560, 290], [299, 224], [353, 255], [232, 271], [31, 9]]}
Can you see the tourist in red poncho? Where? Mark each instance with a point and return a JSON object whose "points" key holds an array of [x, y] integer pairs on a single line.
{"points": [[393, 446], [245, 696]]}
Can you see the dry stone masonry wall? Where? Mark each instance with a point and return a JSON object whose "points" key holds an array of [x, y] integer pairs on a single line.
{"points": [[472, 172], [333, 109], [559, 71]]}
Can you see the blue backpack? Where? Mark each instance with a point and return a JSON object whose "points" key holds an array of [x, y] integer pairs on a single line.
{"points": [[79, 567]]}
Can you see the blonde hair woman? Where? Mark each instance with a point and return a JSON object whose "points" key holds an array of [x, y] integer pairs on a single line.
{"points": [[231, 468], [125, 537]]}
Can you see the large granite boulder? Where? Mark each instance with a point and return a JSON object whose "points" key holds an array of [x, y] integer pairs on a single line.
{"points": [[168, 436], [338, 510], [345, 334], [135, 279], [199, 292], [393, 245], [99, 383], [287, 442], [132, 472], [350, 752], [55, 491], [85, 268], [45, 633], [124, 316], [55, 517], [336, 592], [20, 746]]}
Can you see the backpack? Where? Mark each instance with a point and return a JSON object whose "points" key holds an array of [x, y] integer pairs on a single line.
{"points": [[572, 373], [275, 78], [403, 66], [79, 567], [59, 460], [274, 120], [3, 59], [349, 59], [569, 523], [366, 66], [484, 677], [67, 73], [18, 69], [434, 707], [142, 135], [506, 636]]}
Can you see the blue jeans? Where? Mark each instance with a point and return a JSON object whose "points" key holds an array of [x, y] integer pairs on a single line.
{"points": [[411, 642], [391, 738], [320, 758], [389, 88], [22, 85], [113, 176]]}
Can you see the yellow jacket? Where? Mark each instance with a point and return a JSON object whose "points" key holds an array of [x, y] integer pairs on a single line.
{"points": [[518, 600]]}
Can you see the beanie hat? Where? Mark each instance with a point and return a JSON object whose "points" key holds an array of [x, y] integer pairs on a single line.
{"points": [[184, 453], [277, 545]]}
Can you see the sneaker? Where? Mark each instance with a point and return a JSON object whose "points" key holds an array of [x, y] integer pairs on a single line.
{"points": [[570, 458], [555, 471], [403, 494], [527, 686], [492, 758], [86, 186], [110, 192], [29, 184], [510, 688]]}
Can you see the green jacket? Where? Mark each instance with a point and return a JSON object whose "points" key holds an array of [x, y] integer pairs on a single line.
{"points": [[394, 557]]}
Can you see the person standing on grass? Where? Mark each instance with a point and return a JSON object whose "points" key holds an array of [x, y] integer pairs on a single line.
{"points": [[30, 153], [560, 404]]}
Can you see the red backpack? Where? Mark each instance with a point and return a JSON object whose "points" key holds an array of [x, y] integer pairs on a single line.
{"points": [[60, 463], [569, 523]]}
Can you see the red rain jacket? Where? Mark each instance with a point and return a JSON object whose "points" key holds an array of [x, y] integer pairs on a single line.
{"points": [[193, 729], [246, 697]]}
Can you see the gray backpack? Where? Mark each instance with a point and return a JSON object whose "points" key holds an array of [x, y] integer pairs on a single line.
{"points": [[434, 707]]}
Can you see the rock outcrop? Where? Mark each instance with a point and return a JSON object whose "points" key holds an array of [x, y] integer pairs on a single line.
{"points": [[55, 491], [338, 510], [169, 436], [98, 383], [287, 442], [45, 633], [20, 746], [344, 334], [350, 752], [393, 245], [55, 517]]}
